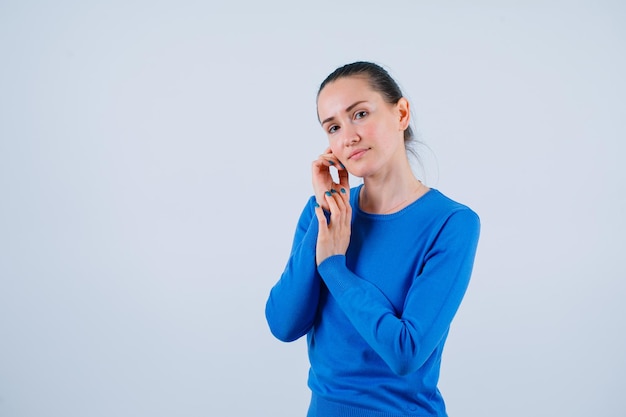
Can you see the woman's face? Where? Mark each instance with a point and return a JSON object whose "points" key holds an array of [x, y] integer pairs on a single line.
{"points": [[364, 131]]}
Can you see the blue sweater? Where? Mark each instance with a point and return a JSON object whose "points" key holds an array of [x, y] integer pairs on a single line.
{"points": [[377, 318]]}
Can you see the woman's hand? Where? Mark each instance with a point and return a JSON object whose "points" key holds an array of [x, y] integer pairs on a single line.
{"points": [[333, 236], [323, 181]]}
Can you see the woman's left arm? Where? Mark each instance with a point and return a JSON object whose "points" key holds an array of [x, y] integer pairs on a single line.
{"points": [[405, 341]]}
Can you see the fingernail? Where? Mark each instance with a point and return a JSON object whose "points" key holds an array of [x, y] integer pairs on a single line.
{"points": [[342, 165], [343, 191], [328, 193], [333, 191], [331, 162], [316, 205]]}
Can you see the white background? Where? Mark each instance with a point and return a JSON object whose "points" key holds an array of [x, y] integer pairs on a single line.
{"points": [[154, 159]]}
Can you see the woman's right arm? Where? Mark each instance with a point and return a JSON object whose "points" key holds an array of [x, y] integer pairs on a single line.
{"points": [[292, 304]]}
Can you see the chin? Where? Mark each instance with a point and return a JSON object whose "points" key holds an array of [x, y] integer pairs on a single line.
{"points": [[359, 173]]}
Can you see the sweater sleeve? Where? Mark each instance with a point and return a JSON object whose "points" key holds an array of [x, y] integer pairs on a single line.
{"points": [[292, 304], [407, 339]]}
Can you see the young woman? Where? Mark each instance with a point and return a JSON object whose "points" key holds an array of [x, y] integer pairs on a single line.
{"points": [[377, 272]]}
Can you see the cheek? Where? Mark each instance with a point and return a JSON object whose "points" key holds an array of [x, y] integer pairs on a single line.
{"points": [[336, 147], [385, 134], [372, 130]]}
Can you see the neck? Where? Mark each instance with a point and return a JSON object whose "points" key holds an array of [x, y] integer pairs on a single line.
{"points": [[390, 192]]}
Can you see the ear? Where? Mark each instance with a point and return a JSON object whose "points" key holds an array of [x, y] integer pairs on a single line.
{"points": [[404, 112]]}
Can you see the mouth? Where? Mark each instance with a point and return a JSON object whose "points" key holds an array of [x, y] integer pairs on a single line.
{"points": [[357, 154]]}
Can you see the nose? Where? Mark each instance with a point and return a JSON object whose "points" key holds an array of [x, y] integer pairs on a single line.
{"points": [[350, 135]]}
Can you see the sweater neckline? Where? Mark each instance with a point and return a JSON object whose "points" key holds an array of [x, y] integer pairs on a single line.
{"points": [[356, 205]]}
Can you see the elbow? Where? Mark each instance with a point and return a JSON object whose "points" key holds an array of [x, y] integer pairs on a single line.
{"points": [[281, 329], [404, 366], [283, 337], [402, 370], [283, 333], [408, 358], [407, 366]]}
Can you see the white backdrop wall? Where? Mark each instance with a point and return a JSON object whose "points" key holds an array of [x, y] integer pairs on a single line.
{"points": [[154, 158]]}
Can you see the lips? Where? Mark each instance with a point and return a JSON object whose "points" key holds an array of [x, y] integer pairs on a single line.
{"points": [[358, 153]]}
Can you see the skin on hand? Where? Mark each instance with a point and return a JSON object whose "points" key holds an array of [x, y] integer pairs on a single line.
{"points": [[322, 179], [333, 236]]}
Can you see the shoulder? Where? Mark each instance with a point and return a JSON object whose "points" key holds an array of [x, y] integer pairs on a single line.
{"points": [[453, 215], [444, 204], [444, 212]]}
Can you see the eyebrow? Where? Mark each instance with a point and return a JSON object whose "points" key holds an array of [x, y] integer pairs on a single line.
{"points": [[348, 110]]}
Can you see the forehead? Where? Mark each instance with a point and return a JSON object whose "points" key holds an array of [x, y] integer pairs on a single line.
{"points": [[337, 95]]}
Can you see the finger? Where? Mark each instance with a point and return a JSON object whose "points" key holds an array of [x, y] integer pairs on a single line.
{"points": [[344, 178], [323, 163], [321, 218], [336, 199], [331, 160], [344, 192], [340, 217], [332, 203], [338, 205], [344, 197], [329, 154]]}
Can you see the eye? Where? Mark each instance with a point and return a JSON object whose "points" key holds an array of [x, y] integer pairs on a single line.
{"points": [[333, 129], [360, 114]]}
